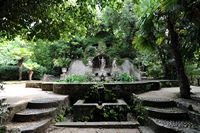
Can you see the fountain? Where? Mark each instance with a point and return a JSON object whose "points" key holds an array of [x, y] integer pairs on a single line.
{"points": [[97, 109]]}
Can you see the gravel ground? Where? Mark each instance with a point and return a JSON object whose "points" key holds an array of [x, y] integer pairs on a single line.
{"points": [[177, 124]]}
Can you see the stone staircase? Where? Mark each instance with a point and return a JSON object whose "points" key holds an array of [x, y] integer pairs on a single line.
{"points": [[165, 116], [38, 115]]}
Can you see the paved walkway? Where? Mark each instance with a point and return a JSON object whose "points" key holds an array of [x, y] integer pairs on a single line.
{"points": [[168, 93], [92, 130], [17, 93]]}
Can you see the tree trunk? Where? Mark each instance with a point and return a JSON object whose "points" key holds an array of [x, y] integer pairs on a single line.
{"points": [[175, 46], [163, 59], [30, 75], [20, 64]]}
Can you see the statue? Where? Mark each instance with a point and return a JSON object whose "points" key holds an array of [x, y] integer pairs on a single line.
{"points": [[103, 63], [114, 65], [90, 63]]}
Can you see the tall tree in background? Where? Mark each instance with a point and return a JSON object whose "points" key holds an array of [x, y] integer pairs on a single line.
{"points": [[173, 13], [46, 19]]}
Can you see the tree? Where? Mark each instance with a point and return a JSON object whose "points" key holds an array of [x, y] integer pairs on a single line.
{"points": [[169, 12], [19, 52], [31, 66], [47, 19]]}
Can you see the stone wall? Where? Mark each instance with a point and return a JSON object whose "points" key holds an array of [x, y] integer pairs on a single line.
{"points": [[123, 90]]}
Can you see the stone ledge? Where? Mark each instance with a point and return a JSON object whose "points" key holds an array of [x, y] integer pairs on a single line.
{"points": [[47, 86], [81, 109], [30, 127], [33, 84], [99, 124]]}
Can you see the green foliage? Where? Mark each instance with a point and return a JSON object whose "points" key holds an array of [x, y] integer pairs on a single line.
{"points": [[3, 110], [31, 65], [90, 51], [107, 113], [60, 117], [87, 118], [42, 54], [14, 50], [78, 78], [124, 77], [142, 22], [19, 49], [121, 25], [63, 52], [11, 73], [61, 62], [152, 63], [138, 110], [193, 69], [93, 95], [115, 113], [39, 72], [57, 18]]}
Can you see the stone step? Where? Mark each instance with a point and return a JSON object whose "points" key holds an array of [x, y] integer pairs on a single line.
{"points": [[188, 104], [125, 124], [173, 113], [145, 129], [29, 115], [47, 86], [2, 99], [157, 102], [173, 126], [44, 103], [196, 97], [30, 127], [33, 84], [192, 106]]}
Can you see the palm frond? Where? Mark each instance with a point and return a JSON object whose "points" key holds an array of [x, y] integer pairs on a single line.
{"points": [[170, 5]]}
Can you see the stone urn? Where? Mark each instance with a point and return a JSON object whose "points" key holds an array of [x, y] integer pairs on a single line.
{"points": [[64, 70]]}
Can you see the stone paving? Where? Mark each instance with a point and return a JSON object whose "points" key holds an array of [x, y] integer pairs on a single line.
{"points": [[16, 93], [168, 93], [91, 130]]}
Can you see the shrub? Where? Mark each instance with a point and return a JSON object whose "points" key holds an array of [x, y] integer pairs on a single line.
{"points": [[79, 78], [124, 77], [92, 95], [39, 72], [106, 113], [138, 110], [115, 113], [12, 73]]}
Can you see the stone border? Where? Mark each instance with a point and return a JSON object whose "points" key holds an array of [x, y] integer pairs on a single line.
{"points": [[47, 86], [80, 108], [122, 90], [33, 84], [98, 124]]}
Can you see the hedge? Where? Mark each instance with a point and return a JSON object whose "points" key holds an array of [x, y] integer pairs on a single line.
{"points": [[12, 73]]}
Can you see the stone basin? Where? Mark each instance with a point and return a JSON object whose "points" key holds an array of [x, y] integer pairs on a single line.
{"points": [[80, 108]]}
